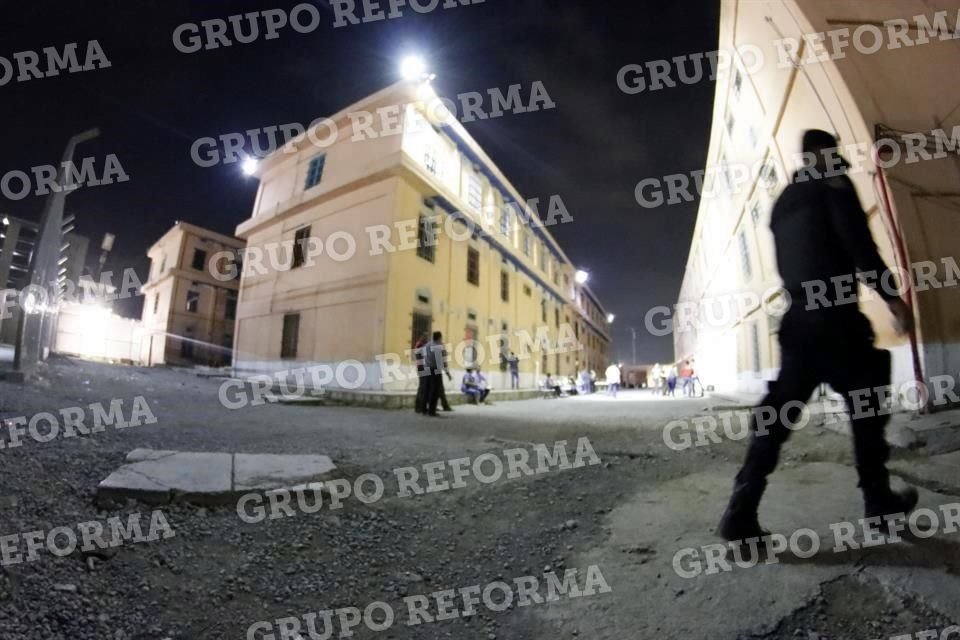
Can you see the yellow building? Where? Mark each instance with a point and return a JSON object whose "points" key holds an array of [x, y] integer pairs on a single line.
{"points": [[189, 307], [403, 225], [866, 94]]}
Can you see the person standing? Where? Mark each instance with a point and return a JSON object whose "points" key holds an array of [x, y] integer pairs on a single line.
{"points": [[821, 235], [686, 379], [657, 375], [514, 362], [613, 379], [436, 367], [419, 357], [671, 382]]}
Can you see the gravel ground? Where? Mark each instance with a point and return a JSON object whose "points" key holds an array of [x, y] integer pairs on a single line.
{"points": [[218, 575]]}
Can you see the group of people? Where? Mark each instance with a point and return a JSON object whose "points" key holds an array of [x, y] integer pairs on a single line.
{"points": [[431, 360], [584, 383], [666, 378]]}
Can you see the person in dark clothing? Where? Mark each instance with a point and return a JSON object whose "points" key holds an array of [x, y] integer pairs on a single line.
{"points": [[822, 238], [436, 363], [419, 356], [514, 362]]}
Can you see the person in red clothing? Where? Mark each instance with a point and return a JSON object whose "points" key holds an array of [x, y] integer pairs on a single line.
{"points": [[686, 379]]}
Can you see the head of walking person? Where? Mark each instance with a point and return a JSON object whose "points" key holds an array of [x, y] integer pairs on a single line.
{"points": [[437, 336], [821, 151]]}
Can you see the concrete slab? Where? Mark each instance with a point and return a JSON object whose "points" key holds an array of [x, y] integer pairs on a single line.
{"points": [[160, 477], [267, 471], [169, 475]]}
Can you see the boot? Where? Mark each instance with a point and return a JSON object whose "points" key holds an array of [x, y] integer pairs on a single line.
{"points": [[881, 501], [739, 521], [885, 503]]}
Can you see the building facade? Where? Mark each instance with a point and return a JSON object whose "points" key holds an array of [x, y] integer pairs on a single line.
{"points": [[17, 240], [412, 228], [189, 301], [867, 94]]}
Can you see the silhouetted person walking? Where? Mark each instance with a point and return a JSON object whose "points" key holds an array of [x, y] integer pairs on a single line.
{"points": [[821, 234], [436, 366]]}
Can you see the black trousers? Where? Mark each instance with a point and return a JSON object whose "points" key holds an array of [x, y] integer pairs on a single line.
{"points": [[421, 402], [434, 390], [833, 345]]}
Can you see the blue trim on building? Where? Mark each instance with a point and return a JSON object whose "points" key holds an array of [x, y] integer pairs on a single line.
{"points": [[456, 214], [473, 157]]}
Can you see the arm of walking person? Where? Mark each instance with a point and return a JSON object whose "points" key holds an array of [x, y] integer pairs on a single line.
{"points": [[849, 221]]}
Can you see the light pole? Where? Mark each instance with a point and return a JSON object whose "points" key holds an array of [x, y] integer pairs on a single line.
{"points": [[633, 333]]}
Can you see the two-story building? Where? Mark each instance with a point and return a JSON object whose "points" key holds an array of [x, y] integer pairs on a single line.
{"points": [[413, 229], [189, 307]]}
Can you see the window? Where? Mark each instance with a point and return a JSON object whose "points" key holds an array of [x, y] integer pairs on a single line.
{"points": [[163, 264], [422, 324], [230, 312], [290, 338], [527, 244], [556, 272], [542, 249], [755, 341], [770, 177], [505, 220], [731, 122], [426, 238], [193, 300], [543, 310], [315, 171], [474, 192], [527, 291], [473, 266], [737, 83], [227, 341], [430, 162], [156, 302], [556, 316], [755, 212], [199, 259], [727, 175], [744, 255], [300, 239], [505, 286]]}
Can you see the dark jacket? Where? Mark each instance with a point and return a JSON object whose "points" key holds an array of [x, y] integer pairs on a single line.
{"points": [[820, 232]]}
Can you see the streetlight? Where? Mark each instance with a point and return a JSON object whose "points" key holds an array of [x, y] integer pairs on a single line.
{"points": [[610, 318], [413, 67], [581, 276], [250, 166]]}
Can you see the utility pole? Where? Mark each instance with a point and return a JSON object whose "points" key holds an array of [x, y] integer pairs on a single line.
{"points": [[633, 333]]}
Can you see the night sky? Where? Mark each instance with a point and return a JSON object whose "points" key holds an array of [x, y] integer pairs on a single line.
{"points": [[591, 150]]}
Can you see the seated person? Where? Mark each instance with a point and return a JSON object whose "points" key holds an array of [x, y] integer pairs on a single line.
{"points": [[474, 386], [550, 385], [569, 386]]}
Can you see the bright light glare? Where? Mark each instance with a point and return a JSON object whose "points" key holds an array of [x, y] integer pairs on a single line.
{"points": [[581, 276], [250, 166], [413, 68], [610, 318]]}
